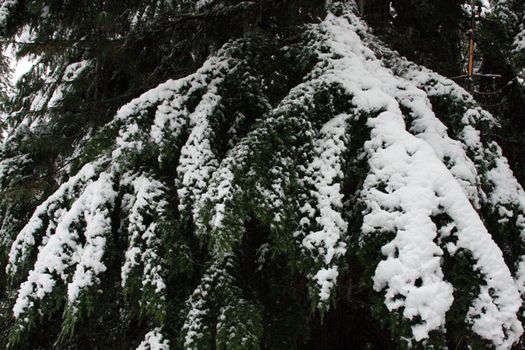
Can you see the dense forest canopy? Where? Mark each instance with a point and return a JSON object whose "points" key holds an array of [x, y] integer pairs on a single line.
{"points": [[266, 174]]}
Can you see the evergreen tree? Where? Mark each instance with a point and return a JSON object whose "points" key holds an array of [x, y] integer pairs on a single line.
{"points": [[248, 175], [501, 91], [425, 31]]}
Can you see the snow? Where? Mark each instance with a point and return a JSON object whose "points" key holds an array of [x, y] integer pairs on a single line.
{"points": [[222, 188], [195, 325], [203, 3], [154, 340], [412, 268], [497, 188], [10, 168], [222, 194], [6, 6], [197, 161], [170, 98], [58, 82], [80, 209], [408, 169], [261, 254], [217, 302], [417, 169], [239, 170], [519, 41], [502, 190], [429, 128], [97, 202], [70, 74], [507, 190], [326, 169], [324, 176], [19, 67], [144, 238], [408, 184], [129, 141], [326, 278], [62, 252], [52, 209]]}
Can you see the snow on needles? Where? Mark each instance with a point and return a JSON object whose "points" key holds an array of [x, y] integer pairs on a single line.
{"points": [[416, 172], [50, 210], [197, 161], [324, 175], [70, 228], [147, 203], [491, 183], [154, 340], [96, 203], [6, 7], [69, 75], [63, 251], [408, 184], [411, 273]]}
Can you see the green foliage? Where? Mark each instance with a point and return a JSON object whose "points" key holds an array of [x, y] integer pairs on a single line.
{"points": [[230, 206], [218, 313]]}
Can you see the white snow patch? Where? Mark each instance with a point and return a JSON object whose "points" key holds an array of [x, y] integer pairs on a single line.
{"points": [[62, 252], [407, 184], [154, 340]]}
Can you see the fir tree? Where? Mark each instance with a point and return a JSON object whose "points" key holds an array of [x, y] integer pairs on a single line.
{"points": [[500, 57], [239, 175]]}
